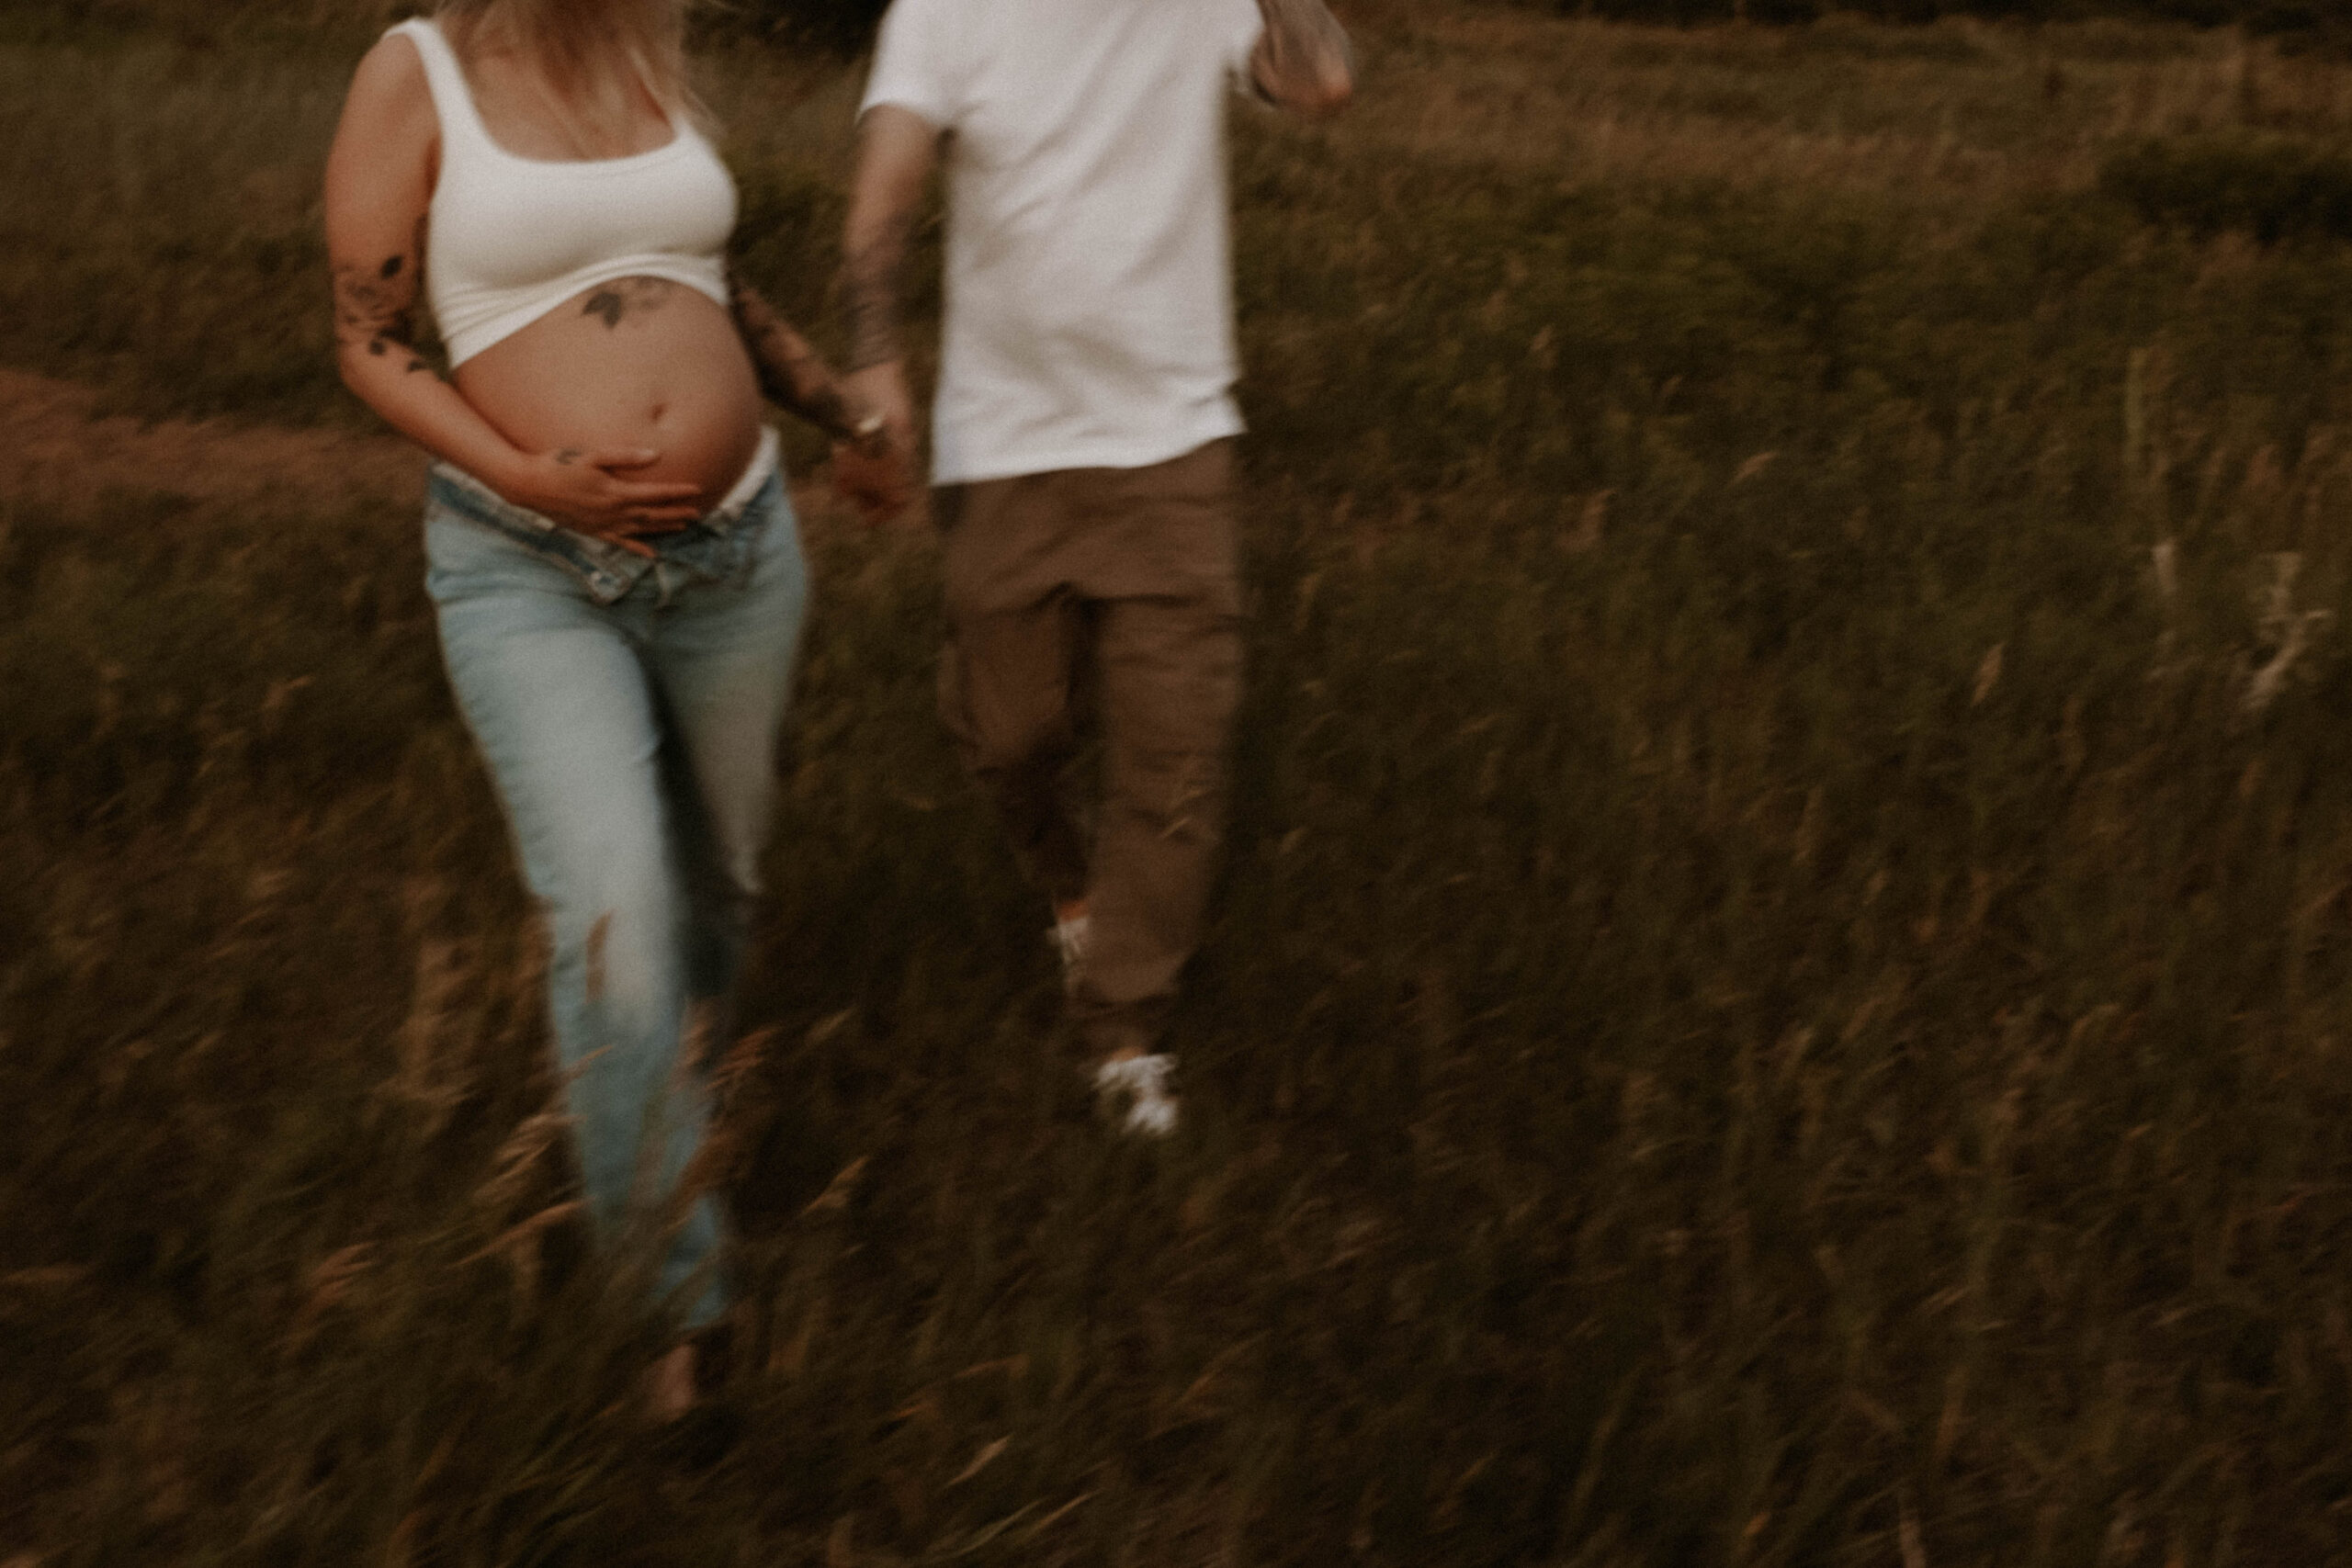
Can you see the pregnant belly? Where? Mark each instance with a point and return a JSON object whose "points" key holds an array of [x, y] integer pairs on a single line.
{"points": [[640, 364]]}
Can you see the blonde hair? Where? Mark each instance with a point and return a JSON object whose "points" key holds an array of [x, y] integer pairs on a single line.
{"points": [[592, 51]]}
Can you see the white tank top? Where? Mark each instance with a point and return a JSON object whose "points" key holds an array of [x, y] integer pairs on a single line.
{"points": [[512, 238]]}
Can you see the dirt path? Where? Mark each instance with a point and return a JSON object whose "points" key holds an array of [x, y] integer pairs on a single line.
{"points": [[58, 445], [55, 445]]}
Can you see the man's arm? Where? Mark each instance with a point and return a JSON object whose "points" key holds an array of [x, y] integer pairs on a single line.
{"points": [[895, 149], [1303, 62]]}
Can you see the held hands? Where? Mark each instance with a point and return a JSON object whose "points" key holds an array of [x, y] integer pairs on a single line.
{"points": [[876, 473], [588, 491], [876, 477]]}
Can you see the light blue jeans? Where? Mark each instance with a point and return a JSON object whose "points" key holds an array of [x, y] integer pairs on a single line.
{"points": [[629, 711]]}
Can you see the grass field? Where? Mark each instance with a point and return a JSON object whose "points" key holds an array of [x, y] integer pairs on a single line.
{"points": [[1784, 989]]}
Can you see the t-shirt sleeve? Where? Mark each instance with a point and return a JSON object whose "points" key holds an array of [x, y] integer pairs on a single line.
{"points": [[1238, 24], [916, 64]]}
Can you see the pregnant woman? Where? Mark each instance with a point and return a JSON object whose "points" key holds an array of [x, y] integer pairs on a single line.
{"points": [[613, 556]]}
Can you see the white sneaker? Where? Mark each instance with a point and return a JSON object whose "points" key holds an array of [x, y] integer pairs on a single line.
{"points": [[1069, 936], [1142, 1081]]}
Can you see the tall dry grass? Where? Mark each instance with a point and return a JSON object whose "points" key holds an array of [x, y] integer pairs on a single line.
{"points": [[1779, 996]]}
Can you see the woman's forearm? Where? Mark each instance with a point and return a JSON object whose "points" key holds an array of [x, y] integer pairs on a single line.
{"points": [[431, 412], [377, 353], [793, 375]]}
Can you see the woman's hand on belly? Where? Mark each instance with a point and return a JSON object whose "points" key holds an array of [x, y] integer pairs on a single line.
{"points": [[641, 368], [593, 492]]}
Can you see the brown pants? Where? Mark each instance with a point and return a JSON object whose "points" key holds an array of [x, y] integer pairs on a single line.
{"points": [[1113, 589]]}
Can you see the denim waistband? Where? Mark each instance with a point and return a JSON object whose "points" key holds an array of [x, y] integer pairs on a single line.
{"points": [[610, 570]]}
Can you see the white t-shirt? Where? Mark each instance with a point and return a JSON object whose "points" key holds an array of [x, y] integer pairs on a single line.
{"points": [[1088, 278]]}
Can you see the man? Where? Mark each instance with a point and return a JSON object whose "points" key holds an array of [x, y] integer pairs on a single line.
{"points": [[1082, 438]]}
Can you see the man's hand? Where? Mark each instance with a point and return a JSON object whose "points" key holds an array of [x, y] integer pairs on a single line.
{"points": [[878, 476], [882, 389], [1303, 62], [877, 480]]}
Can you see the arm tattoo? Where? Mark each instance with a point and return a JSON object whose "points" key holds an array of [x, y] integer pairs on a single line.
{"points": [[870, 291], [375, 306], [1302, 56], [373, 310], [791, 373]]}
